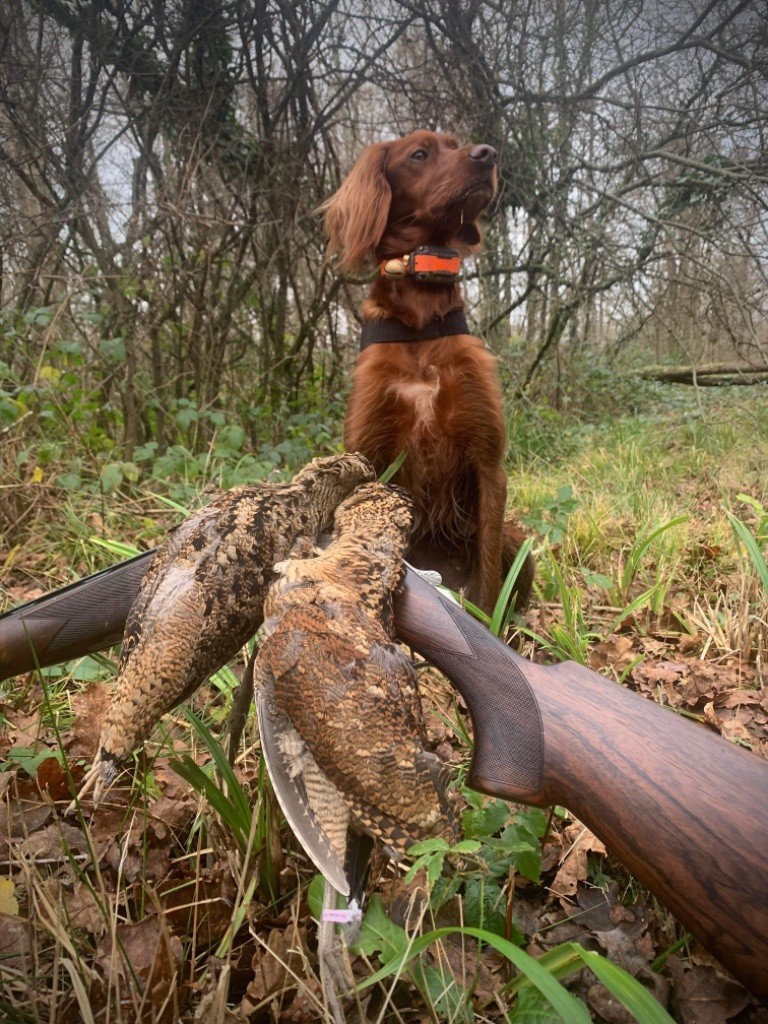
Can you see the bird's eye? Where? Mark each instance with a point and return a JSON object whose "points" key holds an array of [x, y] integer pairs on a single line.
{"points": [[419, 154]]}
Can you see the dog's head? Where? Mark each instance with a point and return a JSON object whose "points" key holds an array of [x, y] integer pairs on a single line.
{"points": [[422, 189]]}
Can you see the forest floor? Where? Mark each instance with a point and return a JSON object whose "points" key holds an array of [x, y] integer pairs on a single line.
{"points": [[149, 910]]}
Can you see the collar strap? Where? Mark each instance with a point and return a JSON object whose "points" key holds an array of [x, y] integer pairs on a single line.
{"points": [[393, 330], [428, 264]]}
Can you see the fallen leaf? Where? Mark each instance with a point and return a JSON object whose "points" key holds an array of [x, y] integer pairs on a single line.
{"points": [[15, 943], [55, 842], [8, 902], [467, 968], [275, 969], [607, 1006], [53, 781], [736, 698], [703, 995], [144, 960], [83, 909], [200, 903], [687, 643], [627, 946], [616, 652], [574, 867], [20, 818]]}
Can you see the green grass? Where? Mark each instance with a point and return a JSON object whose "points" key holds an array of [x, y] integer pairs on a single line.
{"points": [[647, 529]]}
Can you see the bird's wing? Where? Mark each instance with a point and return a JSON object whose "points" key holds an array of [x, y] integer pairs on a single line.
{"points": [[350, 700], [291, 793]]}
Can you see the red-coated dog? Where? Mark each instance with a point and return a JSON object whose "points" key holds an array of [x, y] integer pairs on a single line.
{"points": [[422, 383]]}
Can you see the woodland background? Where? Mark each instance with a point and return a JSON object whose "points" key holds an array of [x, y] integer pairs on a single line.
{"points": [[169, 324], [161, 164]]}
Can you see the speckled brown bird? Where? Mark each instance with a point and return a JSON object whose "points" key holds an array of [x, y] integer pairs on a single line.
{"points": [[203, 594], [340, 694], [339, 714]]}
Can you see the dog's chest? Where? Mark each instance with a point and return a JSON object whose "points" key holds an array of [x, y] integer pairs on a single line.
{"points": [[418, 391]]}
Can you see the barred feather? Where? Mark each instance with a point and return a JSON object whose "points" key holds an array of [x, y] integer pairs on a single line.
{"points": [[202, 597], [331, 668]]}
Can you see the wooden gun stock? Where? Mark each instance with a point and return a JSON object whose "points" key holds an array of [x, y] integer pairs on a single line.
{"points": [[683, 809]]}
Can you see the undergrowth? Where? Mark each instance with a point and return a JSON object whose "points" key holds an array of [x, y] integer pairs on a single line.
{"points": [[185, 897]]}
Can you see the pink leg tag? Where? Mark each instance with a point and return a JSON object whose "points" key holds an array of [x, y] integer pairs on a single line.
{"points": [[341, 916]]}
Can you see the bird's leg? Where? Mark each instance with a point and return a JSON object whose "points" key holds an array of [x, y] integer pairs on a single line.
{"points": [[241, 702], [335, 973], [91, 781], [98, 778]]}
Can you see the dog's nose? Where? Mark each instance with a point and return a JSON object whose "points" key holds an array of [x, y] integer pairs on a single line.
{"points": [[483, 154]]}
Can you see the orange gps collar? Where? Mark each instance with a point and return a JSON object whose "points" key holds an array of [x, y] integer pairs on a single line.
{"points": [[428, 264]]}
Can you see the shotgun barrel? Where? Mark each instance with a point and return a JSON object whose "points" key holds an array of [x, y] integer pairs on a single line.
{"points": [[80, 618], [681, 808]]}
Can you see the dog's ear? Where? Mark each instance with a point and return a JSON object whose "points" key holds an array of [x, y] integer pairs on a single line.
{"points": [[356, 216]]}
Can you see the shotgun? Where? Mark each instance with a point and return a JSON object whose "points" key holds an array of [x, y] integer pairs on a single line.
{"points": [[681, 808]]}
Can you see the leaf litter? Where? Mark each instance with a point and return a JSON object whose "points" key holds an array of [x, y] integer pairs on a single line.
{"points": [[143, 894]]}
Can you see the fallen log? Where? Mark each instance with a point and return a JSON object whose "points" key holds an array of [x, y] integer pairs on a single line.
{"points": [[707, 375]]}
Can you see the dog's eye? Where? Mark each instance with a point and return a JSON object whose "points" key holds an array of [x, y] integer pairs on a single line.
{"points": [[419, 154]]}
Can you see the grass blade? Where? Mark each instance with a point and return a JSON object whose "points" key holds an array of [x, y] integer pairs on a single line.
{"points": [[503, 609], [638, 550], [628, 990], [393, 467], [745, 537], [570, 1010]]}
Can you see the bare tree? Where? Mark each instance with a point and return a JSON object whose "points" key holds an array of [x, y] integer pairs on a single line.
{"points": [[160, 165]]}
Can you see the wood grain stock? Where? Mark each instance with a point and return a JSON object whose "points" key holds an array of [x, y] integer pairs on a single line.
{"points": [[683, 809]]}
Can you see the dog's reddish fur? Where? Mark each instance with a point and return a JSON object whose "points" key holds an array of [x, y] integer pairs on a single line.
{"points": [[438, 400]]}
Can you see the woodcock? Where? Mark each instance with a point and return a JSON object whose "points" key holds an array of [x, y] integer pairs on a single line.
{"points": [[339, 714], [202, 597]]}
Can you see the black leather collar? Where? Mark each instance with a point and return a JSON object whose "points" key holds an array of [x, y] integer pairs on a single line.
{"points": [[379, 332]]}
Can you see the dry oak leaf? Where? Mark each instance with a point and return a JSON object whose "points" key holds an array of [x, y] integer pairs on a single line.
{"points": [[201, 903], [737, 698], [277, 968], [83, 910], [147, 959], [703, 995], [574, 866], [24, 731], [614, 652], [20, 818], [15, 943], [731, 729], [608, 1007], [55, 842], [467, 968], [687, 643]]}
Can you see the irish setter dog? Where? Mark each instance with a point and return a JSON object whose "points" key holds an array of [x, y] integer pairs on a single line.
{"points": [[424, 385]]}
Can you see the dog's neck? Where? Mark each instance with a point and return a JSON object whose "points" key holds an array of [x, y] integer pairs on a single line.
{"points": [[408, 300]]}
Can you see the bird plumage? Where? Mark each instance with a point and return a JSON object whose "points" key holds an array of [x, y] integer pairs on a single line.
{"points": [[202, 597], [339, 714], [331, 675]]}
